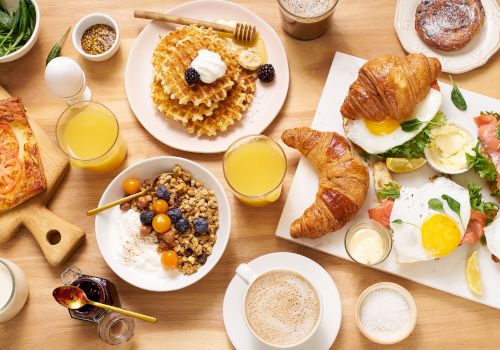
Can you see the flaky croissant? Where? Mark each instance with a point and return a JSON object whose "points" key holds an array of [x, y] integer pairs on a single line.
{"points": [[390, 86], [343, 181]]}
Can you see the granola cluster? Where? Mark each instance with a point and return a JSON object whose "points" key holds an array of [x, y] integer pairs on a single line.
{"points": [[197, 205]]}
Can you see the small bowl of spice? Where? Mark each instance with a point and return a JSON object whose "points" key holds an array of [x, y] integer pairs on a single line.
{"points": [[96, 37], [386, 313]]}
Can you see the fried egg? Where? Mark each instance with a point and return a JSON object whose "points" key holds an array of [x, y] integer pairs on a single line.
{"points": [[492, 233], [379, 137], [422, 233]]}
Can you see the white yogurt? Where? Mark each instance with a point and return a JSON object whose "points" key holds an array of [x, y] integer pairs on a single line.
{"points": [[13, 290], [209, 66], [367, 246]]}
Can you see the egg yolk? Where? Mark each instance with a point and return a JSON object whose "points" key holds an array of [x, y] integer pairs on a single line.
{"points": [[383, 127], [440, 235]]}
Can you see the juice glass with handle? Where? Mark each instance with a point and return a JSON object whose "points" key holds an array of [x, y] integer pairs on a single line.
{"points": [[254, 167], [89, 133]]}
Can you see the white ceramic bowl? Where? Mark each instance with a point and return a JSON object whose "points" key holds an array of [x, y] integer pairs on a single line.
{"points": [[401, 291], [86, 22], [107, 240], [31, 42]]}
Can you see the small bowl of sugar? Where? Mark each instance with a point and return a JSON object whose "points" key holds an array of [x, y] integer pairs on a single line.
{"points": [[386, 313]]}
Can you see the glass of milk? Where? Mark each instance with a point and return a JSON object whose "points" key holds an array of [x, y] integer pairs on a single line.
{"points": [[13, 290]]}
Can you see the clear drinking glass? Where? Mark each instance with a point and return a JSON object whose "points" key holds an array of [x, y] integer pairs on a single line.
{"points": [[89, 133], [254, 167], [306, 19]]}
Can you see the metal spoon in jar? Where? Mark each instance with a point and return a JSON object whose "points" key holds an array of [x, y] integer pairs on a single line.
{"points": [[74, 298], [123, 200]]}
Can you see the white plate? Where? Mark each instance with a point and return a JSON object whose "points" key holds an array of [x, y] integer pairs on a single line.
{"points": [[107, 239], [446, 274], [473, 55], [234, 320], [265, 107]]}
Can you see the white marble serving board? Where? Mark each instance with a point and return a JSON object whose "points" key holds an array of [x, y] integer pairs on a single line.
{"points": [[446, 274]]}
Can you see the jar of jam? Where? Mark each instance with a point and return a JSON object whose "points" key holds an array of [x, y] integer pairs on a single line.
{"points": [[112, 327]]}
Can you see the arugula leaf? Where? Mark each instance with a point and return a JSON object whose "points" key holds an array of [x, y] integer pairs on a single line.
{"points": [[454, 205], [401, 222], [414, 148], [391, 190], [483, 240], [476, 201], [436, 204], [482, 165], [456, 97], [411, 125]]}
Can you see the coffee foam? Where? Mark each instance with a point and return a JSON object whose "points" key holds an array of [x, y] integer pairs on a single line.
{"points": [[307, 8], [282, 308]]}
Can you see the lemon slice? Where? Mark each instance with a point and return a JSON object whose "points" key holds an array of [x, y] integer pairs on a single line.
{"points": [[473, 274], [403, 165]]}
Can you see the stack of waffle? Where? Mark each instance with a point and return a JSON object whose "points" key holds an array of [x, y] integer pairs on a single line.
{"points": [[203, 109]]}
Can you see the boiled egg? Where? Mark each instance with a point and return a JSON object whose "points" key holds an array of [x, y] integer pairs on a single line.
{"points": [[379, 137], [492, 233], [423, 231]]}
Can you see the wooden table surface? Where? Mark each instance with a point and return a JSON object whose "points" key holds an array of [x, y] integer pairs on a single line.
{"points": [[192, 318]]}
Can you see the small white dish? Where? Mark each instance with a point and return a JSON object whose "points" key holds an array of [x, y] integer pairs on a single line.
{"points": [[31, 42], [86, 22], [406, 296], [266, 105], [234, 319], [107, 240], [441, 169], [476, 53]]}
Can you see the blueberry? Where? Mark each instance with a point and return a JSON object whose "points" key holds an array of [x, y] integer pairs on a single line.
{"points": [[174, 214], [147, 217], [200, 225], [202, 259], [162, 192], [182, 225]]}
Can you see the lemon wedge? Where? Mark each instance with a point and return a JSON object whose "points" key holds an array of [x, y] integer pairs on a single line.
{"points": [[403, 165], [473, 274]]}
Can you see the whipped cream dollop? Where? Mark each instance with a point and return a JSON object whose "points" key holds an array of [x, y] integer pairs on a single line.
{"points": [[209, 66]]}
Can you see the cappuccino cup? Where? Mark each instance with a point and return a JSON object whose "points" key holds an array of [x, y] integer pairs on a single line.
{"points": [[282, 308]]}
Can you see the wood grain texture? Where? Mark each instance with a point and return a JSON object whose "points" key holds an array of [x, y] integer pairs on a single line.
{"points": [[192, 318], [34, 215]]}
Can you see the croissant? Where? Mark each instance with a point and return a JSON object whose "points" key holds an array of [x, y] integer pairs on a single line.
{"points": [[390, 86], [343, 181]]}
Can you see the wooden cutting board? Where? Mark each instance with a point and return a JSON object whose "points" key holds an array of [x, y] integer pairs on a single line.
{"points": [[57, 238]]}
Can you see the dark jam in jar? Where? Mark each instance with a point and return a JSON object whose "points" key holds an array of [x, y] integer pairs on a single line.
{"points": [[97, 289]]}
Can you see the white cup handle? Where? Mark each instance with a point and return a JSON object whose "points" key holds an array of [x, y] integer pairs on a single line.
{"points": [[246, 273]]}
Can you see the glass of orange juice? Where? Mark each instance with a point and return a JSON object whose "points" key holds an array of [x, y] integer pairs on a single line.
{"points": [[254, 168], [90, 135]]}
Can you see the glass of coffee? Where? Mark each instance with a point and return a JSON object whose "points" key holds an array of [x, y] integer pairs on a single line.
{"points": [[306, 19], [282, 308]]}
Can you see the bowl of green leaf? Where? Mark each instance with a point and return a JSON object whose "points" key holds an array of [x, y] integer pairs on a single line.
{"points": [[19, 28]]}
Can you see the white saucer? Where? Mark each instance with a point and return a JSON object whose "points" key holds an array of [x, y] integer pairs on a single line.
{"points": [[473, 55], [234, 321]]}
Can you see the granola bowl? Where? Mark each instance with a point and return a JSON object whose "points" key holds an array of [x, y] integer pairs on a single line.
{"points": [[133, 248]]}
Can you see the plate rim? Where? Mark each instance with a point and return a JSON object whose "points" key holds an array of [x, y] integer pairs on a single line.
{"points": [[198, 276], [260, 130], [484, 58]]}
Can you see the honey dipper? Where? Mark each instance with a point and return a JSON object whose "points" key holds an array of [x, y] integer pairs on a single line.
{"points": [[242, 31]]}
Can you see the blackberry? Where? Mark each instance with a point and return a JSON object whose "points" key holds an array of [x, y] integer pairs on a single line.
{"points": [[182, 225], [162, 193], [146, 217], [202, 259], [174, 214], [191, 76], [266, 73], [200, 225]]}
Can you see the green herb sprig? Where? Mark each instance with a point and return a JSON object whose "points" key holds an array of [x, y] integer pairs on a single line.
{"points": [[476, 202], [401, 222], [390, 190], [56, 49], [436, 204], [456, 96], [454, 205]]}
